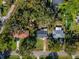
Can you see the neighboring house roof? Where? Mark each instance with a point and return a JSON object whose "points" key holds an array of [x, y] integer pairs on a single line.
{"points": [[41, 33], [56, 2], [58, 33], [21, 35]]}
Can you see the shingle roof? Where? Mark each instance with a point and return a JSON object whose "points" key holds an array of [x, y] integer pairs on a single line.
{"points": [[57, 1], [41, 33]]}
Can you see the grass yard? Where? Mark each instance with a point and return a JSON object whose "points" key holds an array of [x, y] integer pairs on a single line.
{"points": [[13, 57], [39, 44], [0, 1], [29, 57], [56, 47], [75, 26], [13, 45], [64, 57]]}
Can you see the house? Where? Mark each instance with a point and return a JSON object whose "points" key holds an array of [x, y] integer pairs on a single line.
{"points": [[58, 32], [21, 35], [56, 2], [42, 33]]}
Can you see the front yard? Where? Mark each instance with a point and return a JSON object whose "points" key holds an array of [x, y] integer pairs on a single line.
{"points": [[29, 57], [39, 44], [13, 57], [64, 57]]}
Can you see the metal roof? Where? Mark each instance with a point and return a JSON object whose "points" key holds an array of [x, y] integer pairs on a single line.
{"points": [[58, 34]]}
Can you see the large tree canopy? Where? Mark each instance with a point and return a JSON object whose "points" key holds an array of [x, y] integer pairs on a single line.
{"points": [[31, 10], [68, 11]]}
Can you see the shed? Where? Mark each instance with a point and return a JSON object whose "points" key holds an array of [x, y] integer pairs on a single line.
{"points": [[58, 33]]}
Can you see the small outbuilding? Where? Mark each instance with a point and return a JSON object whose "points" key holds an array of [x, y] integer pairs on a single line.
{"points": [[58, 32]]}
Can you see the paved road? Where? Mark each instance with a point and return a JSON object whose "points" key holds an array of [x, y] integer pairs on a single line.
{"points": [[40, 53]]}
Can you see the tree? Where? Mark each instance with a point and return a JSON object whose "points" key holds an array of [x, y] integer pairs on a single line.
{"points": [[27, 45], [68, 12]]}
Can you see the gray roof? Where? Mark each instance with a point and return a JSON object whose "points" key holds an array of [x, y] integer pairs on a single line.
{"points": [[77, 20], [57, 2], [41, 33], [58, 34]]}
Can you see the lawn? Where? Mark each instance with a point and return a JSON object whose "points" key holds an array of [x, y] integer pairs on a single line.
{"points": [[75, 26], [39, 44], [0, 1], [29, 57], [64, 57], [13, 45], [13, 57], [55, 47]]}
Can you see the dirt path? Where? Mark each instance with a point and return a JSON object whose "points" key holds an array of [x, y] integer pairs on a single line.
{"points": [[45, 47], [9, 14]]}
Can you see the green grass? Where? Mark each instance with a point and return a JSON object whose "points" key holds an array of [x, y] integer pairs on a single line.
{"points": [[0, 1], [75, 26], [13, 57], [39, 44], [5, 10], [56, 47], [64, 57], [13, 45]]}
